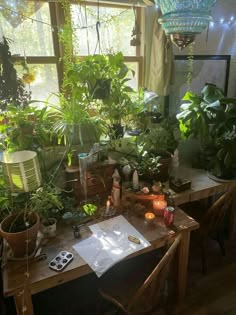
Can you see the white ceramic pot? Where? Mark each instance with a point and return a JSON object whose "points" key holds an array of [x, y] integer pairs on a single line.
{"points": [[49, 231]]}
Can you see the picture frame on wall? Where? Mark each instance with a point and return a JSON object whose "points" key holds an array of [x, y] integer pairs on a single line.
{"points": [[212, 69]]}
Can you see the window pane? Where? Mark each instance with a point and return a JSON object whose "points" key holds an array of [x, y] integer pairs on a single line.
{"points": [[133, 80], [115, 30], [28, 37], [45, 83]]}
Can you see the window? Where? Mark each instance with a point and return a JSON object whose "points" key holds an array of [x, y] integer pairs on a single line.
{"points": [[28, 27], [103, 29], [32, 28]]}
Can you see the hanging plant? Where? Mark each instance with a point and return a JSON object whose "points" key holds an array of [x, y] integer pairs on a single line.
{"points": [[12, 88], [190, 66], [29, 74], [66, 37]]}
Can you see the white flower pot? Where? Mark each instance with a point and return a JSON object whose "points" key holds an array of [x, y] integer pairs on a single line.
{"points": [[49, 230]]}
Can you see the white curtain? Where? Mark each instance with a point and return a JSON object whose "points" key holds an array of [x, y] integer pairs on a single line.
{"points": [[159, 71]]}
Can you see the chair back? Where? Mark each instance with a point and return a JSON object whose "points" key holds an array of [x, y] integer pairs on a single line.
{"points": [[215, 215], [149, 292]]}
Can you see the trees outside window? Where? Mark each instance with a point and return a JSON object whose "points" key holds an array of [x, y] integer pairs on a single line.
{"points": [[33, 33]]}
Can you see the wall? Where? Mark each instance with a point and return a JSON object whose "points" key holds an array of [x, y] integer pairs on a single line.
{"points": [[221, 39]]}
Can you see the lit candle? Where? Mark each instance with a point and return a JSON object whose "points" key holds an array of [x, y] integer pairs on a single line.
{"points": [[159, 206], [149, 217], [108, 204]]}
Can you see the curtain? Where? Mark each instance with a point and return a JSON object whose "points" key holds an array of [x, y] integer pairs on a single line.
{"points": [[159, 71]]}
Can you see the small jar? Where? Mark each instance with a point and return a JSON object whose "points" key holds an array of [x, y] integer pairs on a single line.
{"points": [[169, 216]]}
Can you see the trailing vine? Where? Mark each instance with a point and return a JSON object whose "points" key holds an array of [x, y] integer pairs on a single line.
{"points": [[66, 36], [190, 66]]}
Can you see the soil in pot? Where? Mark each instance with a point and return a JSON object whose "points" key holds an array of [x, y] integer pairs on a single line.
{"points": [[22, 240]]}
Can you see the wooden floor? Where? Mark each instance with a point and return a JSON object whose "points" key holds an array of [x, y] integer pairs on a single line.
{"points": [[213, 294]]}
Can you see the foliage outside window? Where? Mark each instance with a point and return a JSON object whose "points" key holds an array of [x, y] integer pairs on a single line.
{"points": [[31, 38]]}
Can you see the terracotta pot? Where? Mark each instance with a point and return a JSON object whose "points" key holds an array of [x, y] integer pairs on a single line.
{"points": [[18, 240]]}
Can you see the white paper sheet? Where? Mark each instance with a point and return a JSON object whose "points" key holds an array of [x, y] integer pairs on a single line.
{"points": [[109, 244]]}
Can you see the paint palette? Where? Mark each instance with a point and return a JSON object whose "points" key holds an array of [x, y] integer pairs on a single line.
{"points": [[61, 260]]}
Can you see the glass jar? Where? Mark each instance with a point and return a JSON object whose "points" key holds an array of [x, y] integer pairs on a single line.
{"points": [[169, 216]]}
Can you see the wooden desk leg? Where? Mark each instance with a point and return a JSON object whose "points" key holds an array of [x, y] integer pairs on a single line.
{"points": [[183, 265], [23, 303]]}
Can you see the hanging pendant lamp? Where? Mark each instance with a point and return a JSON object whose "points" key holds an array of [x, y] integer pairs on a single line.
{"points": [[182, 20]]}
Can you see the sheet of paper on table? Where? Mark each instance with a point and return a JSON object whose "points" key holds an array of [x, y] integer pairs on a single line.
{"points": [[109, 244]]}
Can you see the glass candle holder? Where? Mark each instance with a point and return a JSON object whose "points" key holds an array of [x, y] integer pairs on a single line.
{"points": [[159, 206], [149, 217]]}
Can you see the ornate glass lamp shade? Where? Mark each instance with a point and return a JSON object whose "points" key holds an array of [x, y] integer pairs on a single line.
{"points": [[21, 171], [183, 19]]}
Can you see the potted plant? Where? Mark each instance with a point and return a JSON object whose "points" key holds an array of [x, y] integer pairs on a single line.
{"points": [[148, 166], [118, 108], [137, 121], [71, 122], [210, 117], [157, 146], [47, 202], [95, 73], [19, 224], [24, 128]]}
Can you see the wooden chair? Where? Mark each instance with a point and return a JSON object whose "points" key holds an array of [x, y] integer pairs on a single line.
{"points": [[134, 287], [212, 222]]}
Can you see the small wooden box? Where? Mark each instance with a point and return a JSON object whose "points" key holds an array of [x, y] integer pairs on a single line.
{"points": [[181, 185], [99, 180]]}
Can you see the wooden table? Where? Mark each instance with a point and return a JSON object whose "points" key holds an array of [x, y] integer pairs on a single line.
{"points": [[41, 277], [202, 186]]}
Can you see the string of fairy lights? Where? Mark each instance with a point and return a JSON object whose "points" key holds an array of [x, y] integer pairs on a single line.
{"points": [[231, 21], [223, 21]]}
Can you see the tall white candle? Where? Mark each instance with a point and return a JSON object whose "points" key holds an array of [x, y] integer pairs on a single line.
{"points": [[135, 180], [108, 204]]}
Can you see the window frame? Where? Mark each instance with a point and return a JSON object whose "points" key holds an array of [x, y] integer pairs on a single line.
{"points": [[57, 18], [137, 59]]}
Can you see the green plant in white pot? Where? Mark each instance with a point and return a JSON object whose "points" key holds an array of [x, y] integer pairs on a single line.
{"points": [[47, 202]]}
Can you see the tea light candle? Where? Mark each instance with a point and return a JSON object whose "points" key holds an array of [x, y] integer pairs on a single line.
{"points": [[159, 206], [149, 217]]}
